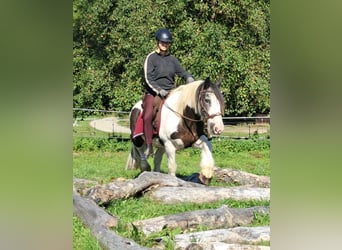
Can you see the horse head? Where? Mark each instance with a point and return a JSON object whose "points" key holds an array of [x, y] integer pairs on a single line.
{"points": [[212, 107]]}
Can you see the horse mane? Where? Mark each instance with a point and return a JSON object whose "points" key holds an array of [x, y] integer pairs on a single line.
{"points": [[188, 94]]}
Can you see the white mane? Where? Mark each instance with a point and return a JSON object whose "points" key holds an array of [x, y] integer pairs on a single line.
{"points": [[186, 96]]}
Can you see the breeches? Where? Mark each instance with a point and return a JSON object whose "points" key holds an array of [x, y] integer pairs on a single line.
{"points": [[148, 117]]}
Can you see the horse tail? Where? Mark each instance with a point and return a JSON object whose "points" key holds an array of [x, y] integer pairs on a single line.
{"points": [[136, 158], [133, 159]]}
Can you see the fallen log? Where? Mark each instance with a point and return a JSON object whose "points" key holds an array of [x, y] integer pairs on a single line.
{"points": [[223, 217], [123, 189], [82, 184], [100, 222], [233, 238], [204, 194], [241, 178], [222, 246]]}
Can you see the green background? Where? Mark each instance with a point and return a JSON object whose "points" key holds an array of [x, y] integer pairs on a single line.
{"points": [[36, 141]]}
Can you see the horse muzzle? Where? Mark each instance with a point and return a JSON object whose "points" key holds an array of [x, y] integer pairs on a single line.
{"points": [[216, 125]]}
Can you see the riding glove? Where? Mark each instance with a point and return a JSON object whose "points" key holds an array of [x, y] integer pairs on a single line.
{"points": [[189, 79], [163, 93]]}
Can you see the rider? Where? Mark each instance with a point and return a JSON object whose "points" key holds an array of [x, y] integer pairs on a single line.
{"points": [[160, 68]]}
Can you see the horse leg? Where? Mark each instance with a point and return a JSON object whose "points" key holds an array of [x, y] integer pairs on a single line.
{"points": [[144, 165], [171, 158], [158, 158], [206, 164]]}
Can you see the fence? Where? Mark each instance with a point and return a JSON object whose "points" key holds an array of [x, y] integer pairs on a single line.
{"points": [[115, 124]]}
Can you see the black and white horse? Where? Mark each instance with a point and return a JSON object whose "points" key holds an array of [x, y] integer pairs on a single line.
{"points": [[190, 111]]}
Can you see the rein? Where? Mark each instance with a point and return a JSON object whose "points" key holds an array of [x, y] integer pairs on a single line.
{"points": [[206, 116], [181, 115]]}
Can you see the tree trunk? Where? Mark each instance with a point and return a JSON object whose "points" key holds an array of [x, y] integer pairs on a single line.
{"points": [[100, 222], [210, 218], [238, 238], [241, 178], [169, 189], [124, 189], [83, 184], [204, 194]]}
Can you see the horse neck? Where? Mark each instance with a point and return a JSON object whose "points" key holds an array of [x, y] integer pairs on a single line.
{"points": [[183, 96]]}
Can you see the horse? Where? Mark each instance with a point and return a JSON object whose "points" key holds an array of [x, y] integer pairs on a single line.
{"points": [[189, 112]]}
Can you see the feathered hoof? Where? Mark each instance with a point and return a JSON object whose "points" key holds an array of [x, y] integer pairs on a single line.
{"points": [[204, 180], [198, 178]]}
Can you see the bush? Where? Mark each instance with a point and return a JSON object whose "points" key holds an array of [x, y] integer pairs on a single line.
{"points": [[228, 39], [99, 144]]}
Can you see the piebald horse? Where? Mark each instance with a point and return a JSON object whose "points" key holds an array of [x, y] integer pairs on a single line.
{"points": [[189, 112]]}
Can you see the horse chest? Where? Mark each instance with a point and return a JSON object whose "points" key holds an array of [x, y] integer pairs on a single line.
{"points": [[187, 132]]}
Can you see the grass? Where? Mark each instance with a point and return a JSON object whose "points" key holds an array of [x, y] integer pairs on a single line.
{"points": [[82, 238], [134, 209], [103, 159]]}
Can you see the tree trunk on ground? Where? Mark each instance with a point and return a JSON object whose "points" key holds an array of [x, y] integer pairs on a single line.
{"points": [[124, 189], [237, 238], [203, 194], [100, 222], [241, 178], [169, 189], [210, 218], [83, 184]]}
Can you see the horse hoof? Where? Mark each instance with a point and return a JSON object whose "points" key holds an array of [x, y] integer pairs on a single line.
{"points": [[204, 180]]}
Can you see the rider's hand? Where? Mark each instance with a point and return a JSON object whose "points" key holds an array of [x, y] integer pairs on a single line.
{"points": [[190, 79], [163, 93]]}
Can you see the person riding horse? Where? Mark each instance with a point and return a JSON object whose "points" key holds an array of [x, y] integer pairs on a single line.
{"points": [[160, 69]]}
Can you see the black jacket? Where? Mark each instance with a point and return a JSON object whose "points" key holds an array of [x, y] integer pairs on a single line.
{"points": [[160, 71]]}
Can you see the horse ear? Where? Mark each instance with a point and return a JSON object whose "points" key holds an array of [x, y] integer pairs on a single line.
{"points": [[219, 81], [207, 83]]}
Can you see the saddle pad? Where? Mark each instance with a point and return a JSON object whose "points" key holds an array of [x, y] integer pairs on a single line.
{"points": [[139, 126]]}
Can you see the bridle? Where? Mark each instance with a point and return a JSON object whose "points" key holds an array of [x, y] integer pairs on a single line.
{"points": [[205, 116], [203, 109], [205, 113]]}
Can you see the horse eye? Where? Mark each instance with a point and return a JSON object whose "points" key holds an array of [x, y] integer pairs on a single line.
{"points": [[207, 100]]}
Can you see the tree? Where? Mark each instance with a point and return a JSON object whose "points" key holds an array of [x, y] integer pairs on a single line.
{"points": [[228, 39]]}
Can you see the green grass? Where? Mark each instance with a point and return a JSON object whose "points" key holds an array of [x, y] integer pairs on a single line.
{"points": [[101, 166], [82, 238], [102, 159], [134, 209]]}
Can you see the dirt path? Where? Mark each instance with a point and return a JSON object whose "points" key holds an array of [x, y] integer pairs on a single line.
{"points": [[110, 125]]}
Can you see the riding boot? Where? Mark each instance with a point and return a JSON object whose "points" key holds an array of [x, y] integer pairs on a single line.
{"points": [[149, 150]]}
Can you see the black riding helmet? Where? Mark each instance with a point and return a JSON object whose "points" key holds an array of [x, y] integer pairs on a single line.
{"points": [[163, 35]]}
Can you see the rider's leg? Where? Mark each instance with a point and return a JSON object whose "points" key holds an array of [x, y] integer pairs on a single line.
{"points": [[148, 116]]}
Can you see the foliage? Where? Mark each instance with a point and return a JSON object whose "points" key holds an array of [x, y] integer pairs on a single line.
{"points": [[222, 146], [99, 144], [228, 39], [229, 145]]}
